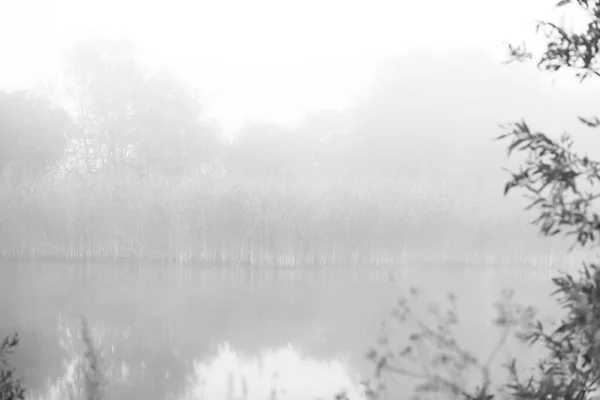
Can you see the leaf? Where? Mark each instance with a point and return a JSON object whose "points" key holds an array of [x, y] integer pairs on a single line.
{"points": [[589, 122], [516, 143]]}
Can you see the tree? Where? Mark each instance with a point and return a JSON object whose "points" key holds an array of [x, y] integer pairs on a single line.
{"points": [[32, 131], [417, 123], [128, 117], [319, 142], [172, 137], [104, 77]]}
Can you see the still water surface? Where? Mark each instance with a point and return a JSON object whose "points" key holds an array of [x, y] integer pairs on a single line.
{"points": [[162, 330]]}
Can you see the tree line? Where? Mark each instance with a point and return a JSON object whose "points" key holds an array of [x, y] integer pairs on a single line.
{"points": [[113, 115]]}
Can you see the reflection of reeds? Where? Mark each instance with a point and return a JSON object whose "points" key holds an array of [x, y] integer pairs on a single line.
{"points": [[225, 220], [84, 378], [94, 381], [273, 374]]}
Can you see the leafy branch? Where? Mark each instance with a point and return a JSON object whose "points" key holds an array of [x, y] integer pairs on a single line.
{"points": [[558, 182], [435, 357], [10, 386]]}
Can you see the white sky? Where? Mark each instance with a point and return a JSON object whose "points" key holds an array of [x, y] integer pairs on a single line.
{"points": [[261, 59]]}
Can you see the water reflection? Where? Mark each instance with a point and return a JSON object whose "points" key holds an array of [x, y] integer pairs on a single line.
{"points": [[282, 373], [160, 328]]}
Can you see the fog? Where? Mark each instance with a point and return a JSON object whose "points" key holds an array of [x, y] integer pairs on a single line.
{"points": [[401, 68], [262, 59], [229, 188]]}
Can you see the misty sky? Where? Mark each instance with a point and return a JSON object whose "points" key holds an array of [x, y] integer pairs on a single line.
{"points": [[262, 59]]}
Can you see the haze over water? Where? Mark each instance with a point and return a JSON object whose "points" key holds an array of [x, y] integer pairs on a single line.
{"points": [[357, 163]]}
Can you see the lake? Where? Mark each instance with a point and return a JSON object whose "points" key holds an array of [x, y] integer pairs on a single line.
{"points": [[180, 332]]}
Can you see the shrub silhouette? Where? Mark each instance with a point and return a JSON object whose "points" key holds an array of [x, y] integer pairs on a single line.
{"points": [[10, 386], [560, 184]]}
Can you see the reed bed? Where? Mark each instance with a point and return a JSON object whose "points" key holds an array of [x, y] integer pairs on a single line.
{"points": [[231, 220]]}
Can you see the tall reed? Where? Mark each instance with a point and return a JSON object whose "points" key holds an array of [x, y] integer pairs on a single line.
{"points": [[311, 220]]}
